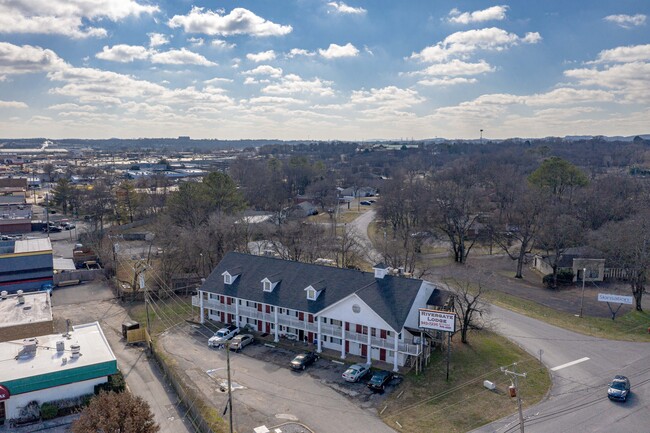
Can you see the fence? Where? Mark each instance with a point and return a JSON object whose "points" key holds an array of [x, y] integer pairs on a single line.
{"points": [[80, 275]]}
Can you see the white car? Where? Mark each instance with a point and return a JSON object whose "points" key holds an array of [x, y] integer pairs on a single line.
{"points": [[222, 336], [356, 372]]}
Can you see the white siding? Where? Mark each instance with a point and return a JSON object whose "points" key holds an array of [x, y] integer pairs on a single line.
{"points": [[366, 316], [413, 319]]}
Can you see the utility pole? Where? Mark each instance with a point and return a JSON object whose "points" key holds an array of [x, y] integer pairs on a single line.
{"points": [[582, 298], [514, 375], [229, 386], [47, 211]]}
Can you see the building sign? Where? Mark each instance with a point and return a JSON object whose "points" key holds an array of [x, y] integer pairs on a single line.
{"points": [[4, 393], [602, 297], [439, 320]]}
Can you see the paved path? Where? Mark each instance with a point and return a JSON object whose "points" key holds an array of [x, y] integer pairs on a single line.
{"points": [[360, 225], [578, 399]]}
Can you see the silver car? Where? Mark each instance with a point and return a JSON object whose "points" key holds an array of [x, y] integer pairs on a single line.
{"points": [[241, 341]]}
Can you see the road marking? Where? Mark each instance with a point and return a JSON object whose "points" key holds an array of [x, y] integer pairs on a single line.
{"points": [[569, 364]]}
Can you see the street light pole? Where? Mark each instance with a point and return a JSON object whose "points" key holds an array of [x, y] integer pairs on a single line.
{"points": [[582, 298]]}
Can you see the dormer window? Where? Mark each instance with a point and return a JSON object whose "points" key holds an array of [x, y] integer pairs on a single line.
{"points": [[380, 270], [269, 283], [314, 290], [231, 275], [267, 286]]}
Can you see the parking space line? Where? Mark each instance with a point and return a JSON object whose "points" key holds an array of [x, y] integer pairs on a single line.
{"points": [[569, 364]]}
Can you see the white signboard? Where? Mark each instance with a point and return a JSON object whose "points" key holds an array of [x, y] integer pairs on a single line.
{"points": [[439, 320], [602, 297]]}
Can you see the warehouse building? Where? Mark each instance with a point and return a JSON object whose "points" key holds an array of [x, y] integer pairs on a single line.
{"points": [[26, 265], [25, 315]]}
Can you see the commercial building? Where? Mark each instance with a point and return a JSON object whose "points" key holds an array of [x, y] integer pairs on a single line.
{"points": [[26, 265], [53, 367], [373, 315], [25, 315]]}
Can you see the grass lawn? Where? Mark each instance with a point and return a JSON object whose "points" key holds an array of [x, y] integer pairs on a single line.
{"points": [[428, 403], [632, 326], [163, 313]]}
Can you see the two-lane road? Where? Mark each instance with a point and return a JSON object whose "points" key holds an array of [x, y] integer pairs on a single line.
{"points": [[581, 367]]}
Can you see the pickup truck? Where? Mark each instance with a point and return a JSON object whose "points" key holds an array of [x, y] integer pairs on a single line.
{"points": [[222, 336]]}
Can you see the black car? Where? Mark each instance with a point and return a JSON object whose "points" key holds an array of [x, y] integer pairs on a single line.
{"points": [[300, 362], [379, 380], [619, 388]]}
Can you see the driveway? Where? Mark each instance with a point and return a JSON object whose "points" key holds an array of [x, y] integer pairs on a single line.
{"points": [[360, 225], [581, 368], [266, 393]]}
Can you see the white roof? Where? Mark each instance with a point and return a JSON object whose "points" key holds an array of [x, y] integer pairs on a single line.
{"points": [[37, 308], [90, 338], [63, 264], [32, 245]]}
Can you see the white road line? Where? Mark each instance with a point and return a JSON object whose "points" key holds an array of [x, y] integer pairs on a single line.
{"points": [[569, 364]]}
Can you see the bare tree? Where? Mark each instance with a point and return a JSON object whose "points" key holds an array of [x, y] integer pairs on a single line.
{"points": [[558, 232], [470, 307]]}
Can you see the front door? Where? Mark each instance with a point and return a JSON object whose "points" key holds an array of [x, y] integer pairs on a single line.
{"points": [[364, 350], [382, 354], [2, 412]]}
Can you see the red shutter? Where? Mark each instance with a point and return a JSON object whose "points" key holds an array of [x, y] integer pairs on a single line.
{"points": [[347, 326], [310, 318], [259, 308], [222, 299], [268, 309], [301, 316], [229, 300], [382, 333], [359, 329]]}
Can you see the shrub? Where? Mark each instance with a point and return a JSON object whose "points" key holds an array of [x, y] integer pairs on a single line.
{"points": [[49, 411], [564, 278], [116, 383]]}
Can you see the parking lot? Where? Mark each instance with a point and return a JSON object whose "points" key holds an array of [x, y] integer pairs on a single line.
{"points": [[266, 390]]}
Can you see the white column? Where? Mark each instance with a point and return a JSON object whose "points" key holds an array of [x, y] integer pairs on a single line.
{"points": [[202, 319], [395, 368], [343, 341], [369, 350], [318, 336], [237, 312], [275, 327]]}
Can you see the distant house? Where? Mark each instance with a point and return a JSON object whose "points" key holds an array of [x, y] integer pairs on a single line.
{"points": [[303, 210], [364, 191], [575, 260]]}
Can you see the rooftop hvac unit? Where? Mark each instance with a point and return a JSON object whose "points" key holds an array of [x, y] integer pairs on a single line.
{"points": [[60, 346], [76, 350], [29, 348], [21, 298], [489, 385], [3, 294]]}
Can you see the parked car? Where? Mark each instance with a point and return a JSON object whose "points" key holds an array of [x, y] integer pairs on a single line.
{"points": [[619, 389], [222, 336], [365, 203], [240, 341], [68, 226], [356, 372], [301, 361], [379, 380], [52, 229]]}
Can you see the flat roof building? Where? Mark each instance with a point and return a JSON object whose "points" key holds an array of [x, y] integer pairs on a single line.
{"points": [[25, 316], [26, 265], [53, 367]]}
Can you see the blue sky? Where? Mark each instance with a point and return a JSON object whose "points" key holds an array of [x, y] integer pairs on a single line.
{"points": [[325, 70]]}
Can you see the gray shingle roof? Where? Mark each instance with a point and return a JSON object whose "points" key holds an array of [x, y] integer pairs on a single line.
{"points": [[390, 297]]}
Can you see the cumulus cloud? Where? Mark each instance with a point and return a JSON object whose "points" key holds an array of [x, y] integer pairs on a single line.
{"points": [[633, 53], [626, 21], [221, 44], [291, 84], [13, 104], [66, 17], [129, 53], [630, 80], [216, 80], [265, 70], [299, 52], [465, 43], [456, 67], [239, 21], [494, 13], [180, 57], [336, 51], [157, 39], [447, 81], [342, 8], [123, 53], [196, 42], [25, 59], [263, 56], [390, 95]]}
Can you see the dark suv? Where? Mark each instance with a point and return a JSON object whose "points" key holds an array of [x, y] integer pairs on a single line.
{"points": [[619, 388], [379, 380]]}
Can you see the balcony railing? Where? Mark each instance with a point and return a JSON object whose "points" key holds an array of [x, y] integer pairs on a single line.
{"points": [[196, 302]]}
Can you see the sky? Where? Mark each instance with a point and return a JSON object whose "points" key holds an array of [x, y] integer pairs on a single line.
{"points": [[323, 70]]}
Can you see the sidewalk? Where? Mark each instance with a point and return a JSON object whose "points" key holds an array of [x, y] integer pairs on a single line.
{"points": [[57, 425]]}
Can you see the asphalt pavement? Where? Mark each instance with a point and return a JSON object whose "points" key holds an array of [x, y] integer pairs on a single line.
{"points": [[581, 368]]}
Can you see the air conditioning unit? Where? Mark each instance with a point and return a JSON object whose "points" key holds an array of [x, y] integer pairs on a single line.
{"points": [[489, 385]]}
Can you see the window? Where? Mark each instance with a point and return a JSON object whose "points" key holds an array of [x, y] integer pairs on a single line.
{"points": [[373, 332], [336, 322], [336, 340], [267, 286], [280, 310], [311, 294], [227, 279]]}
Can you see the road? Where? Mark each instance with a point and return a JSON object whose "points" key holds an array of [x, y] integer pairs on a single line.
{"points": [[360, 225], [578, 399]]}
